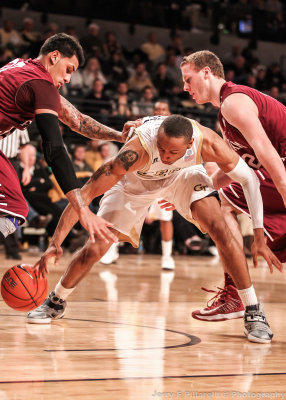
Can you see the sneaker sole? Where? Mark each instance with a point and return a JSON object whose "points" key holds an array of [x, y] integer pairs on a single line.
{"points": [[219, 317], [42, 320], [254, 339]]}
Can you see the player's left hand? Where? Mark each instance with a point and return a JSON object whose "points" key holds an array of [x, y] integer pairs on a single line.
{"points": [[260, 248], [164, 204]]}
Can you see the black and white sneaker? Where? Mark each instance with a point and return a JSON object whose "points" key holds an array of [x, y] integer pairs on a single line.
{"points": [[256, 327], [52, 308]]}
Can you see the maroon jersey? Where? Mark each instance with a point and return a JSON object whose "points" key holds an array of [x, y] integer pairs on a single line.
{"points": [[17, 98], [272, 115], [12, 201]]}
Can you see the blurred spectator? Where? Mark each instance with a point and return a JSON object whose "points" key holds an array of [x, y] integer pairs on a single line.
{"points": [[274, 76], [230, 56], [100, 103], [154, 51], [82, 169], [6, 56], [75, 85], [9, 37], [36, 192], [71, 30], [90, 72], [240, 70], [92, 155], [53, 28], [91, 43], [110, 45], [251, 81], [229, 75], [144, 105], [274, 92], [140, 79], [116, 69], [30, 37], [161, 107], [121, 101], [173, 71], [162, 82], [261, 83]]}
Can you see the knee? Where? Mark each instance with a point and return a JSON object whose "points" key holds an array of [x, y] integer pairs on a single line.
{"points": [[218, 230]]}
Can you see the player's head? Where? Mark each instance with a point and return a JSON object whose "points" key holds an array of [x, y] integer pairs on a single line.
{"points": [[161, 107], [199, 71], [61, 54], [175, 136]]}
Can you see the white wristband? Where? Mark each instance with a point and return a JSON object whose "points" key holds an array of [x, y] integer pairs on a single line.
{"points": [[243, 174]]}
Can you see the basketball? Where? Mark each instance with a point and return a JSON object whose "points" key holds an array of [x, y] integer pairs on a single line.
{"points": [[22, 288]]}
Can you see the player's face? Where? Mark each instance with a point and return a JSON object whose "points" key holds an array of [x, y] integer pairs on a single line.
{"points": [[171, 149], [62, 69], [196, 83], [161, 109]]}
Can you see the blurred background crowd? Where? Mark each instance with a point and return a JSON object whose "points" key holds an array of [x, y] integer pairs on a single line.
{"points": [[118, 83]]}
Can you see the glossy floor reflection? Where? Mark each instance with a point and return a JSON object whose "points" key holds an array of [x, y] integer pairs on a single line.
{"points": [[128, 334]]}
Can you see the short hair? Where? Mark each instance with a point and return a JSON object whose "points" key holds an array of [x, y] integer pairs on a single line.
{"points": [[205, 58], [177, 126], [67, 45]]}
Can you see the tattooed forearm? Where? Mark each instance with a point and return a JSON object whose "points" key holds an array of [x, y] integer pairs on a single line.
{"points": [[127, 158], [86, 125]]}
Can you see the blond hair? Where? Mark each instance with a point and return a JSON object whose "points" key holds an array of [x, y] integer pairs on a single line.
{"points": [[205, 58]]}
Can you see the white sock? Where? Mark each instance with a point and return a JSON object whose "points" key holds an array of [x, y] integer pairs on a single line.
{"points": [[61, 291], [248, 296], [167, 248]]}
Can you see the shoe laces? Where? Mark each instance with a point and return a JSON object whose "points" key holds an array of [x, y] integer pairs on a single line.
{"points": [[220, 297]]}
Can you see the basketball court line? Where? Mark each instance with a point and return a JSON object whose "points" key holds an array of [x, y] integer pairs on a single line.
{"points": [[145, 378], [193, 339]]}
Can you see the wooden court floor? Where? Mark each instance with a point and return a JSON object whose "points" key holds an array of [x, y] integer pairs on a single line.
{"points": [[128, 335]]}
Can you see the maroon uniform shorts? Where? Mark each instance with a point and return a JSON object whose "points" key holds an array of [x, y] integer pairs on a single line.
{"points": [[12, 201], [274, 211]]}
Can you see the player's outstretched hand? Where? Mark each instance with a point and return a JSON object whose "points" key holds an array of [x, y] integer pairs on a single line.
{"points": [[166, 205], [261, 249], [96, 226], [128, 129], [52, 251]]}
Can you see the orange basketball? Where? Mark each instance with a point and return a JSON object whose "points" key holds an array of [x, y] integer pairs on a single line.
{"points": [[22, 288]]}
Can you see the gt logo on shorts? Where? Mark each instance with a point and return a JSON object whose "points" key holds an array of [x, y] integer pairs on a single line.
{"points": [[200, 187]]}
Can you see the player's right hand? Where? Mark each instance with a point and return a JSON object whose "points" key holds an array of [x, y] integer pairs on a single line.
{"points": [[127, 129], [52, 251], [96, 226]]}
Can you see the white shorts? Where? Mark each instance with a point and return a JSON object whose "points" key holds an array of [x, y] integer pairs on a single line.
{"points": [[126, 204], [157, 213]]}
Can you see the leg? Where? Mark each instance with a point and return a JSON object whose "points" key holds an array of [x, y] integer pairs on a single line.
{"points": [[81, 263], [166, 228], [208, 213], [167, 261]]}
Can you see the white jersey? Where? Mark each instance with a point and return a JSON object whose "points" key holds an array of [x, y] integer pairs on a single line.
{"points": [[155, 169]]}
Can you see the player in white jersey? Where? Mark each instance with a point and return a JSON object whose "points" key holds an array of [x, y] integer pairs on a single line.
{"points": [[161, 160]]}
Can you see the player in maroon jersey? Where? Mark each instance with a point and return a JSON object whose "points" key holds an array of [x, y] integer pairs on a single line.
{"points": [[29, 90], [254, 126]]}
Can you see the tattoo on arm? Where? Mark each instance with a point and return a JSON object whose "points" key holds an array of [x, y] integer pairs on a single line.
{"points": [[84, 124], [127, 158], [103, 170]]}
